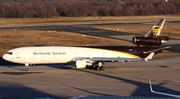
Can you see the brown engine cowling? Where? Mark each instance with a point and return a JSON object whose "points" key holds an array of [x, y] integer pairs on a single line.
{"points": [[150, 40]]}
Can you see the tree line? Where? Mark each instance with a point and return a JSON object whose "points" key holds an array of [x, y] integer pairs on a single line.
{"points": [[83, 8]]}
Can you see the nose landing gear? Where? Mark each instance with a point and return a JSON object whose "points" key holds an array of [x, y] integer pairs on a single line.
{"points": [[26, 67]]}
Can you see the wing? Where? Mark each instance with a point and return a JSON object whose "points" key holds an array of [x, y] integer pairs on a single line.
{"points": [[113, 59], [157, 49]]}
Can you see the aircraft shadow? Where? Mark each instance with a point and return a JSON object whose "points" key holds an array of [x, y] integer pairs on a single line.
{"points": [[140, 91], [174, 48], [10, 90]]}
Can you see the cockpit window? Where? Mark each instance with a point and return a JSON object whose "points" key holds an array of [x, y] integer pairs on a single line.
{"points": [[10, 53]]}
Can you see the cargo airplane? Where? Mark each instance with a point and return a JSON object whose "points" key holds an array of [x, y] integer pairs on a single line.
{"points": [[94, 57]]}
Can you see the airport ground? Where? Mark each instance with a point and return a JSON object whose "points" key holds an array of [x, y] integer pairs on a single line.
{"points": [[118, 81], [57, 81]]}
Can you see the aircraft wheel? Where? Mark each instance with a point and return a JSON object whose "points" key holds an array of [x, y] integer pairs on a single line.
{"points": [[92, 67], [102, 68], [88, 66], [26, 69], [97, 68]]}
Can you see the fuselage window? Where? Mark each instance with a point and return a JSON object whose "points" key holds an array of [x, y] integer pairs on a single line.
{"points": [[10, 53]]}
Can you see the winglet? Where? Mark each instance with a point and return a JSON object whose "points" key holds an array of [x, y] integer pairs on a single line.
{"points": [[161, 93], [149, 56]]}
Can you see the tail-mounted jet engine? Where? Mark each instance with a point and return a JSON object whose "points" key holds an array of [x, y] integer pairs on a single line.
{"points": [[150, 40]]}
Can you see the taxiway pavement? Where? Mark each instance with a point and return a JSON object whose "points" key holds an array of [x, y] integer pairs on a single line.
{"points": [[62, 82]]}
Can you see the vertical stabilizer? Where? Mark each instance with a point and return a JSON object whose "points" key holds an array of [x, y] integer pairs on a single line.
{"points": [[156, 29]]}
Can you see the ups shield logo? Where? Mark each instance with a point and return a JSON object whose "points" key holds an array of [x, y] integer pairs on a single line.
{"points": [[155, 30]]}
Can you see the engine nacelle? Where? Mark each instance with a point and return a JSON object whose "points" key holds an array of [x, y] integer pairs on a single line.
{"points": [[150, 40], [81, 64]]}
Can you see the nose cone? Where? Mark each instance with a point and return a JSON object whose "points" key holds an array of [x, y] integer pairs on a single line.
{"points": [[7, 57], [4, 57]]}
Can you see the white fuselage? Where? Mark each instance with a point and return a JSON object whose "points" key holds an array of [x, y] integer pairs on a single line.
{"points": [[58, 54]]}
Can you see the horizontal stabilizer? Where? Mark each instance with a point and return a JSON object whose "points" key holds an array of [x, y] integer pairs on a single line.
{"points": [[154, 50]]}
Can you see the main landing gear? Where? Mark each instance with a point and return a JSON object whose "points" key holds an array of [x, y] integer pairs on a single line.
{"points": [[97, 66]]}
